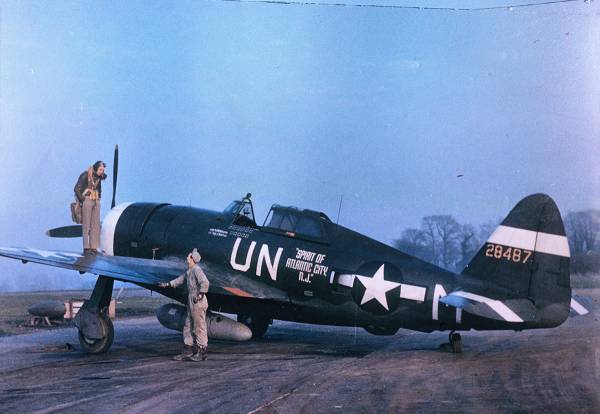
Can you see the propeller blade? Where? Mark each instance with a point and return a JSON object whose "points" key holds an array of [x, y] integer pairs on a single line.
{"points": [[66, 231], [115, 174]]}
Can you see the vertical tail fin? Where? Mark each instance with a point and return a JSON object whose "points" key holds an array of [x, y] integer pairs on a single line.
{"points": [[528, 256]]}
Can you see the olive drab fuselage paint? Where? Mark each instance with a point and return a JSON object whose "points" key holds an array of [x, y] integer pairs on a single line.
{"points": [[308, 269], [330, 274]]}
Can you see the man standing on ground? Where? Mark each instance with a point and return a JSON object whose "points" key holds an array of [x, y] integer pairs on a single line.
{"points": [[195, 335]]}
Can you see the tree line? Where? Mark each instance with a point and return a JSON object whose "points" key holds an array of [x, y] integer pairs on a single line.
{"points": [[445, 242]]}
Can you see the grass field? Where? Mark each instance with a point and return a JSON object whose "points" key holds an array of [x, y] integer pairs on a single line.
{"points": [[14, 316], [585, 281]]}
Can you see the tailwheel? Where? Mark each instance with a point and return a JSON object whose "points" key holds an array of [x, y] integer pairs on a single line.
{"points": [[102, 344], [455, 342], [257, 324]]}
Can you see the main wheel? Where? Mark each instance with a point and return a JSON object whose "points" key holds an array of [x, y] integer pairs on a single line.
{"points": [[99, 346], [258, 325]]}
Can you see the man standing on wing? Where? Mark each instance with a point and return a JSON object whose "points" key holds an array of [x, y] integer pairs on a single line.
{"points": [[195, 337], [88, 191]]}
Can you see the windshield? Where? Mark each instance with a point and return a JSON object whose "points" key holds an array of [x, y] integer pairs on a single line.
{"points": [[233, 207], [242, 212]]}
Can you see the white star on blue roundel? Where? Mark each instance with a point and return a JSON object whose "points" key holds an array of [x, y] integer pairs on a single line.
{"points": [[375, 292]]}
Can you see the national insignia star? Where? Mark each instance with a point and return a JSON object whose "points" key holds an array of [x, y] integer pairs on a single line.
{"points": [[376, 287]]}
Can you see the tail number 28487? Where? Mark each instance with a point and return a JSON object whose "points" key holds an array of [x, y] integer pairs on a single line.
{"points": [[513, 254]]}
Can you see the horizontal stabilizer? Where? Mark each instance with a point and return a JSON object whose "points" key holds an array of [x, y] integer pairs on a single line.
{"points": [[580, 305], [509, 310], [66, 231]]}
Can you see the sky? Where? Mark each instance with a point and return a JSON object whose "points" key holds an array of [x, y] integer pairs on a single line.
{"points": [[301, 105]]}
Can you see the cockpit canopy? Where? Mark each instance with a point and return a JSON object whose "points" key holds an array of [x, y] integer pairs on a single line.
{"points": [[297, 223], [288, 221]]}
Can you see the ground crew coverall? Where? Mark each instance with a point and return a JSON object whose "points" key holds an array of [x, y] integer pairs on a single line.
{"points": [[195, 330]]}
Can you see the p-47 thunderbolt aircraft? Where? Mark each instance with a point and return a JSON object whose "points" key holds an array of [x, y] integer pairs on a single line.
{"points": [[300, 266]]}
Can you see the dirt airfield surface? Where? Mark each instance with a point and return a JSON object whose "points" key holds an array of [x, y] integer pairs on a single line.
{"points": [[307, 368], [15, 320]]}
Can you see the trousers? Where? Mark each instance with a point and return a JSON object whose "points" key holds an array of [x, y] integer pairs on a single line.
{"points": [[91, 223], [195, 330]]}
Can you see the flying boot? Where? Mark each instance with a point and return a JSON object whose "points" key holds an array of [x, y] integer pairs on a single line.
{"points": [[199, 354], [186, 354]]}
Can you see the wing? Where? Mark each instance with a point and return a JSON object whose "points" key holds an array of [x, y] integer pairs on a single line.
{"points": [[223, 281]]}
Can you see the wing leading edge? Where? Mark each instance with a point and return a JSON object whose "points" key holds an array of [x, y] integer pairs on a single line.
{"points": [[223, 281]]}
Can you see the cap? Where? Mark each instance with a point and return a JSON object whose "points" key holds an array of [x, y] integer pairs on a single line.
{"points": [[195, 256]]}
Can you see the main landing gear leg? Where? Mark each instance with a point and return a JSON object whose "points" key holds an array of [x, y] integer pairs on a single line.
{"points": [[96, 332], [455, 342]]}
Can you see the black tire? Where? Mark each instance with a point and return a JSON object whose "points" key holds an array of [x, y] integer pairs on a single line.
{"points": [[258, 325], [99, 346], [456, 342]]}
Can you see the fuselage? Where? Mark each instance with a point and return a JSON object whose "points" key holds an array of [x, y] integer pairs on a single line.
{"points": [[332, 276]]}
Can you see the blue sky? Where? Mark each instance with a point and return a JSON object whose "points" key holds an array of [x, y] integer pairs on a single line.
{"points": [[299, 105]]}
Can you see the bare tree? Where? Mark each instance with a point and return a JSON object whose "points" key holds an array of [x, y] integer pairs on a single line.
{"points": [[486, 229], [443, 241], [412, 242], [469, 243], [582, 230], [428, 227], [448, 230], [441, 234], [437, 241]]}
